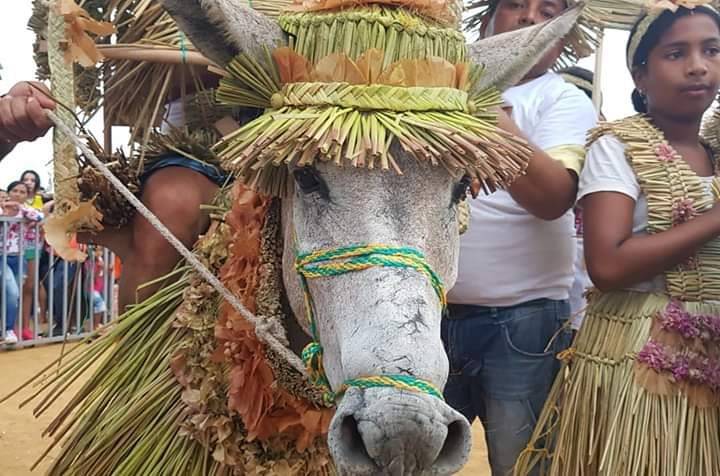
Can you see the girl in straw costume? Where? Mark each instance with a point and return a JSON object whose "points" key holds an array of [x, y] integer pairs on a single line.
{"points": [[641, 395]]}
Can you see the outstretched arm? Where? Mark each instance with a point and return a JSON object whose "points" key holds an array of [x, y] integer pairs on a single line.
{"points": [[21, 115]]}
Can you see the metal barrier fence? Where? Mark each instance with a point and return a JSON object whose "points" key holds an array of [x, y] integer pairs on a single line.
{"points": [[45, 299]]}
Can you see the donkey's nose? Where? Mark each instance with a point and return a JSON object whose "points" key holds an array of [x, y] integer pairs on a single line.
{"points": [[397, 433]]}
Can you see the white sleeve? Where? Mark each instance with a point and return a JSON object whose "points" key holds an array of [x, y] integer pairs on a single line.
{"points": [[566, 121], [607, 170]]}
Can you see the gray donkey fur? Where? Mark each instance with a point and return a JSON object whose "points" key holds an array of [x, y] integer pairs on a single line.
{"points": [[221, 29], [506, 56], [381, 320]]}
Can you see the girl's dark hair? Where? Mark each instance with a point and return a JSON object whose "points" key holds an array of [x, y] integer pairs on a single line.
{"points": [[651, 38], [34, 174], [14, 184], [581, 73]]}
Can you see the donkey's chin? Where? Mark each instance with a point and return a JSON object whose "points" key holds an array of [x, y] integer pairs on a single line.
{"points": [[386, 431]]}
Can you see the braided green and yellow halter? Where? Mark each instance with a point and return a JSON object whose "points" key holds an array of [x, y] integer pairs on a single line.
{"points": [[337, 261]]}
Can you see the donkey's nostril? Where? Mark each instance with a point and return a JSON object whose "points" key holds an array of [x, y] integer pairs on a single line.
{"points": [[352, 445], [455, 449]]}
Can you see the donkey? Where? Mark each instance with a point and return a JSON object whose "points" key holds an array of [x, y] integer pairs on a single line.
{"points": [[382, 320]]}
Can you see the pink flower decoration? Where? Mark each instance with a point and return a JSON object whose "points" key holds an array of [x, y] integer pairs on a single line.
{"points": [[676, 319], [665, 153], [683, 210], [653, 355]]}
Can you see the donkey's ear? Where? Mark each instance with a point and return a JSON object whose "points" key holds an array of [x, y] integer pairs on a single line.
{"points": [[508, 57], [221, 29]]}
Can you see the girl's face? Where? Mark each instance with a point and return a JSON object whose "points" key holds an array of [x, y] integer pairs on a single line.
{"points": [[30, 181], [18, 193], [682, 74], [3, 196]]}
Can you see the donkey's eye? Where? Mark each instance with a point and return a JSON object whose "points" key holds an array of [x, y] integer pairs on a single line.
{"points": [[309, 181], [460, 189]]}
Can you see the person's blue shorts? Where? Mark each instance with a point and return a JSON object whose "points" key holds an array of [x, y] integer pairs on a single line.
{"points": [[211, 172]]}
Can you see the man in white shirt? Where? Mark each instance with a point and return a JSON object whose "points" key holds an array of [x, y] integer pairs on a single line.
{"points": [[509, 305]]}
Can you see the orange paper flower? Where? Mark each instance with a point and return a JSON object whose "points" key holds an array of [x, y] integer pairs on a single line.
{"points": [[78, 23], [339, 68]]}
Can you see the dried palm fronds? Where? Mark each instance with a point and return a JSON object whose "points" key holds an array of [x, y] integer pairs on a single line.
{"points": [[711, 129], [95, 188], [445, 12], [87, 80], [599, 420], [157, 402], [195, 144], [334, 96], [136, 92]]}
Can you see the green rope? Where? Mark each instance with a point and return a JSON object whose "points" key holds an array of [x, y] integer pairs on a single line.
{"points": [[324, 263], [183, 49]]}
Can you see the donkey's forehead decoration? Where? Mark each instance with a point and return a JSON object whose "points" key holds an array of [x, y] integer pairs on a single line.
{"points": [[354, 84], [446, 12], [365, 84]]}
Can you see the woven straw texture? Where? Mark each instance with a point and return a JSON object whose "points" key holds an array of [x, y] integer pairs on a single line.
{"points": [[63, 88]]}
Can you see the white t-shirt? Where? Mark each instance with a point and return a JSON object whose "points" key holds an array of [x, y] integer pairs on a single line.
{"points": [[607, 170], [174, 116], [508, 256]]}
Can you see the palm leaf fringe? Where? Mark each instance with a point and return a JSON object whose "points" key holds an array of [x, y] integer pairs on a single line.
{"points": [[125, 418]]}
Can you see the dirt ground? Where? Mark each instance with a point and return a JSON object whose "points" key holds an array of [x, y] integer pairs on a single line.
{"points": [[20, 432]]}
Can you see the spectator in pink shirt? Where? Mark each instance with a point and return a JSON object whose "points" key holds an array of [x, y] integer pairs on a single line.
{"points": [[13, 272]]}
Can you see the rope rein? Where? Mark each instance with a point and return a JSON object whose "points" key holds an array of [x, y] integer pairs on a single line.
{"points": [[262, 330], [337, 261], [316, 264]]}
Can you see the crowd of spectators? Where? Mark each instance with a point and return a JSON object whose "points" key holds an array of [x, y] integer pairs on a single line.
{"points": [[41, 292]]}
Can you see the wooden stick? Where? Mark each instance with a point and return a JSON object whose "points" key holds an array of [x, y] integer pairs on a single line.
{"points": [[154, 54], [597, 76]]}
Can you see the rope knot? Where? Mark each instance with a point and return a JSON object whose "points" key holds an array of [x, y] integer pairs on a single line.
{"points": [[566, 355]]}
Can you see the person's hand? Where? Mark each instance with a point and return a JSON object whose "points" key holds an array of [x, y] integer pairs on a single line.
{"points": [[48, 207], [505, 122], [21, 113], [10, 208]]}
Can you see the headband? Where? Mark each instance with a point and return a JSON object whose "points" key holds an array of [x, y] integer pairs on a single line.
{"points": [[654, 12]]}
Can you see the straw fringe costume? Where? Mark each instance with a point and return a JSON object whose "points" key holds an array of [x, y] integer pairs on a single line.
{"points": [[640, 391]]}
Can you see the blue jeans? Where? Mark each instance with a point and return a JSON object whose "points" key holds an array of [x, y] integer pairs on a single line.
{"points": [[12, 280], [502, 365], [62, 291], [211, 172]]}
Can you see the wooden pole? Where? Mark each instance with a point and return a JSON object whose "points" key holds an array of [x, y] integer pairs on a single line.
{"points": [[153, 54], [597, 75], [107, 126]]}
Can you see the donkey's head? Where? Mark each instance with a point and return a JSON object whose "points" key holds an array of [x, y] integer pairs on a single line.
{"points": [[383, 320], [368, 257]]}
